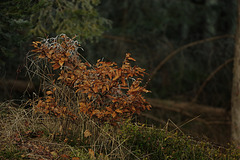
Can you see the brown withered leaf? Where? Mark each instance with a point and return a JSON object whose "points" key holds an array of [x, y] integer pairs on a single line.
{"points": [[114, 114], [49, 92], [67, 54], [130, 58], [109, 109], [95, 112], [87, 133], [41, 56], [118, 111], [56, 66], [91, 153], [61, 62], [64, 156]]}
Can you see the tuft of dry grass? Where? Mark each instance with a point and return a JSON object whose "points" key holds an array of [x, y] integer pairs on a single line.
{"points": [[37, 135], [29, 135]]}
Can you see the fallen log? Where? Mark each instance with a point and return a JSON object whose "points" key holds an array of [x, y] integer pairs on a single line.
{"points": [[16, 85], [208, 113]]}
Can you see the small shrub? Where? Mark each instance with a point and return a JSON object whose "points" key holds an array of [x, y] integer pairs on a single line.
{"points": [[104, 91]]}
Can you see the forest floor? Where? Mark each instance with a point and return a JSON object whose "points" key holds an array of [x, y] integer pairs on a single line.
{"points": [[29, 135]]}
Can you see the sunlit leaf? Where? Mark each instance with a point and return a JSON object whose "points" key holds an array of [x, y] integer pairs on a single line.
{"points": [[61, 63]]}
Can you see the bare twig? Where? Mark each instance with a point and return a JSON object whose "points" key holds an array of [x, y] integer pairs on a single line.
{"points": [[153, 118], [173, 53], [210, 77]]}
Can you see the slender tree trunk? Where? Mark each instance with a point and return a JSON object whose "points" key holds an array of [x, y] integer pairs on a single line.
{"points": [[236, 85]]}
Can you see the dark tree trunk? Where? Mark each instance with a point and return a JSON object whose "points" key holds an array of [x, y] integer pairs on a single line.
{"points": [[236, 85]]}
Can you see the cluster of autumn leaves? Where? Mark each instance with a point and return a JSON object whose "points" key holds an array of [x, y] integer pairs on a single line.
{"points": [[105, 91]]}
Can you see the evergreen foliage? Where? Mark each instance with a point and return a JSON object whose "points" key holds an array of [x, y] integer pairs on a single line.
{"points": [[22, 20], [72, 17]]}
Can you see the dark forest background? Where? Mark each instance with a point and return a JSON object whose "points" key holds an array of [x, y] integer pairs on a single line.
{"points": [[150, 30]]}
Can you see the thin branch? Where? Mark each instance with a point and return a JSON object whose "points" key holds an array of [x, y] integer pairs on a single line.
{"points": [[210, 77], [173, 53], [153, 118]]}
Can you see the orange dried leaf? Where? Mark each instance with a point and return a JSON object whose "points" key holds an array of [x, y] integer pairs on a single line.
{"points": [[107, 112], [118, 111], [149, 107], [135, 89], [109, 109], [109, 75], [128, 55], [78, 90], [122, 87], [49, 92], [95, 89], [123, 82], [46, 111], [61, 62], [51, 51], [133, 108], [81, 104], [64, 59], [114, 114], [39, 103], [65, 156], [89, 96], [118, 74], [95, 112], [41, 56], [68, 54], [60, 77], [107, 86], [145, 90], [56, 66], [130, 58], [114, 100], [91, 153], [48, 100], [104, 89]]}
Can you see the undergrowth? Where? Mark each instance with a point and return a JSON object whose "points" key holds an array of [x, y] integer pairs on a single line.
{"points": [[104, 91], [85, 113], [29, 135]]}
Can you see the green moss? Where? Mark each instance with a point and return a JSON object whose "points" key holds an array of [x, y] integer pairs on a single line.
{"points": [[152, 143], [11, 154]]}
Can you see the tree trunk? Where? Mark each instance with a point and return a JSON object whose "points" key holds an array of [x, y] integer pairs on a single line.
{"points": [[236, 85]]}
